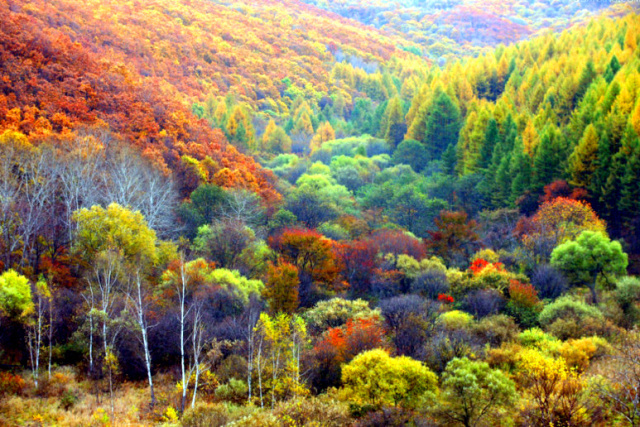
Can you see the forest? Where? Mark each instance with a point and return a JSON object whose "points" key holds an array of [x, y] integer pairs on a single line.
{"points": [[319, 213]]}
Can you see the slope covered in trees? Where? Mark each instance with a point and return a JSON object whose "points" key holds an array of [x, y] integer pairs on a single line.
{"points": [[264, 214], [448, 29]]}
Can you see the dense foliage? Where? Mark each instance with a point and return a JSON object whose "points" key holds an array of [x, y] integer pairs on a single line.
{"points": [[261, 213]]}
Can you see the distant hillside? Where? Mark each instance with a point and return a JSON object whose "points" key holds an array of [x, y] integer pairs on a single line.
{"points": [[447, 28], [140, 65]]}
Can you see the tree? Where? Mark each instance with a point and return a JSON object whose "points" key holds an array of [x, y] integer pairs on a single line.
{"points": [[280, 341], [443, 125], [555, 222], [413, 153], [205, 205], [396, 127], [374, 378], [140, 304], [556, 391], [313, 255], [584, 160], [42, 300], [15, 295], [281, 288], [455, 237], [592, 254], [115, 227], [275, 139], [472, 392], [619, 384]]}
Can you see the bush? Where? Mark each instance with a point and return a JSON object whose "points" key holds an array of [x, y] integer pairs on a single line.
{"points": [[11, 384], [234, 366], [627, 293], [446, 345], [455, 319], [523, 304], [233, 391], [375, 379], [487, 255], [537, 338], [430, 284], [483, 302], [312, 411], [568, 308], [336, 312], [577, 353], [549, 281], [68, 400], [392, 417], [496, 330]]}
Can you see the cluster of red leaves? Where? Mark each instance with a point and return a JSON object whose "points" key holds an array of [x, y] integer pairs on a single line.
{"points": [[523, 294], [11, 384], [447, 299], [561, 188], [343, 343], [454, 234], [311, 253], [480, 264]]}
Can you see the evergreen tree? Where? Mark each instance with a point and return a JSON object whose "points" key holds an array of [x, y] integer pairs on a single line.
{"points": [[547, 160], [587, 76], [612, 69], [442, 126], [602, 170], [491, 138], [582, 163], [449, 160], [396, 127]]}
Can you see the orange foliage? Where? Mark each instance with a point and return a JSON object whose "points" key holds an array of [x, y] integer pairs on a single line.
{"points": [[56, 80]]}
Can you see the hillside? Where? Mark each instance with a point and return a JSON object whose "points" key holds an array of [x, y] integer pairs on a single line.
{"points": [[447, 29], [264, 213]]}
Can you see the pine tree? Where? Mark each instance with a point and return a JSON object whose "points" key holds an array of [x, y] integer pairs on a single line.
{"points": [[449, 160], [491, 138], [501, 189], [442, 126], [396, 127], [521, 171], [587, 76], [629, 204], [547, 159], [582, 163], [612, 69], [602, 170]]}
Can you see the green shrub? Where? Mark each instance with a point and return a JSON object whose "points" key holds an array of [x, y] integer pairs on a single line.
{"points": [[233, 391], [496, 329], [68, 400], [567, 307], [455, 319], [627, 292], [537, 338]]}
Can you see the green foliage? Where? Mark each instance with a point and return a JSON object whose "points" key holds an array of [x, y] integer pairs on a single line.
{"points": [[472, 391], [115, 227], [375, 379], [567, 307], [336, 312], [589, 256], [455, 319], [234, 391], [15, 295], [413, 153], [204, 205], [442, 126]]}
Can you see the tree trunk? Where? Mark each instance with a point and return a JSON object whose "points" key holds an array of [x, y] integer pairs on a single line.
{"points": [[592, 288]]}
